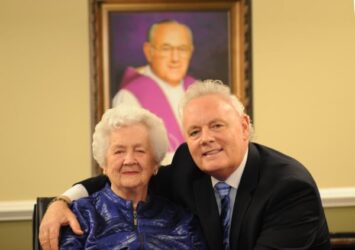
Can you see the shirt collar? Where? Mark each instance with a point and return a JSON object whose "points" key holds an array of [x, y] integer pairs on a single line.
{"points": [[234, 179], [147, 71]]}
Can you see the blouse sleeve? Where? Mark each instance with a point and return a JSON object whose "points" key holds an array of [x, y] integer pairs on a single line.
{"points": [[68, 239]]}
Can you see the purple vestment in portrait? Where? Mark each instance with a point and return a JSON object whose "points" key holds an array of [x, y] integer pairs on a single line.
{"points": [[152, 98]]}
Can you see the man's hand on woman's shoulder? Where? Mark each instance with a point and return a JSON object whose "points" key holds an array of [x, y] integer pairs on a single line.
{"points": [[58, 214]]}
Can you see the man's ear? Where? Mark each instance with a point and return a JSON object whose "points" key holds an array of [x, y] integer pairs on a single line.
{"points": [[147, 49], [246, 124]]}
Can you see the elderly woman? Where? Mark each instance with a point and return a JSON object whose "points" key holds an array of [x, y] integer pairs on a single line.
{"points": [[128, 144]]}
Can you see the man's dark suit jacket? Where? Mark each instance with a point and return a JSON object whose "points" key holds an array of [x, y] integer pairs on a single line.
{"points": [[277, 206]]}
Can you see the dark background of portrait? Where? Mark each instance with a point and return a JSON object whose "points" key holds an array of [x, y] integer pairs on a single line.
{"points": [[128, 32]]}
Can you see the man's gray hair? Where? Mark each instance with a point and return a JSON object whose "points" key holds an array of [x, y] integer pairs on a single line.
{"points": [[208, 87], [122, 116]]}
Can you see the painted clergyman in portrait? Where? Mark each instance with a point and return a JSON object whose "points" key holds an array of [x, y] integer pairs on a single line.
{"points": [[155, 57]]}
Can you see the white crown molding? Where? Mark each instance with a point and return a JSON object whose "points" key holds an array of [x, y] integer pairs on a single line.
{"points": [[23, 209], [338, 197], [16, 210]]}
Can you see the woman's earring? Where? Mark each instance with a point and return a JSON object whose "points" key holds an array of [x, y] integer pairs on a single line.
{"points": [[155, 171]]}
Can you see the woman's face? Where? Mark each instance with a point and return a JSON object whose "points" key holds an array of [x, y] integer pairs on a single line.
{"points": [[130, 160]]}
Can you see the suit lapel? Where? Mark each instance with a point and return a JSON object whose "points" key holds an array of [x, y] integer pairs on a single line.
{"points": [[207, 211], [244, 195]]}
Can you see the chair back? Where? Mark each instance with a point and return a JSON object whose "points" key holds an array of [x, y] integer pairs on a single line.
{"points": [[39, 209]]}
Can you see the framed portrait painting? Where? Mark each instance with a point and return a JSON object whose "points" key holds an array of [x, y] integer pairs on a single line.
{"points": [[217, 46]]}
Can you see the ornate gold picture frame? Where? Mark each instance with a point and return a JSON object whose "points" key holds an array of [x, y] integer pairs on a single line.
{"points": [[221, 33]]}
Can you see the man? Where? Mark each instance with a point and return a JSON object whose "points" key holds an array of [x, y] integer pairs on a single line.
{"points": [[160, 85], [272, 202]]}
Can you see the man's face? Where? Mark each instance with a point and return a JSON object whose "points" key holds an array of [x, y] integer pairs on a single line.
{"points": [[169, 52], [217, 136], [129, 159]]}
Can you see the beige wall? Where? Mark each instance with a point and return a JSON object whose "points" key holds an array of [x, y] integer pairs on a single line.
{"points": [[44, 97], [304, 86]]}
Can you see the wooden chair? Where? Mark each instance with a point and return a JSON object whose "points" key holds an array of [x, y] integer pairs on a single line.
{"points": [[344, 240]]}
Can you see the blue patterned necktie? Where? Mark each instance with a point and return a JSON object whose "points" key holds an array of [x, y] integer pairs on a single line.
{"points": [[223, 190]]}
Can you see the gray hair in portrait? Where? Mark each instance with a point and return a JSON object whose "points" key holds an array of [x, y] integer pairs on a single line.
{"points": [[124, 115], [152, 29]]}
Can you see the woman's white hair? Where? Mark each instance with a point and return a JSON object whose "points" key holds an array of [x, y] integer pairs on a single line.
{"points": [[208, 87], [124, 115]]}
